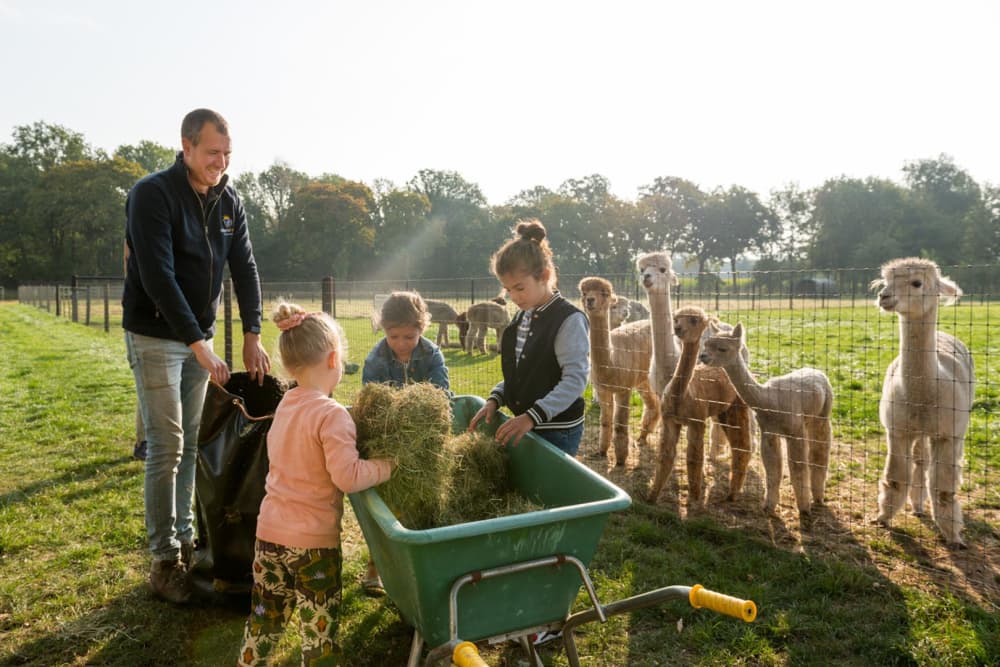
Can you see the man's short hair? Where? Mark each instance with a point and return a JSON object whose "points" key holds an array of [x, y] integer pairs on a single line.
{"points": [[194, 121]]}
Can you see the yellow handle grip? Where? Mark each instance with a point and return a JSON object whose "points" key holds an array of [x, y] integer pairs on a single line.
{"points": [[467, 655], [724, 604]]}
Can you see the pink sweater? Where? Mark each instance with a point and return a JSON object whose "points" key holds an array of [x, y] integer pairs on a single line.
{"points": [[313, 463]]}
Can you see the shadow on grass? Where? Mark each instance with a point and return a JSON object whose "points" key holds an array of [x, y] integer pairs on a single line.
{"points": [[92, 467]]}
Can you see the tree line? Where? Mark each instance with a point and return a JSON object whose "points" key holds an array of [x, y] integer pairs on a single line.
{"points": [[62, 213]]}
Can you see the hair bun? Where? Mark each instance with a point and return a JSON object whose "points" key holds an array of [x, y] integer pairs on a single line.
{"points": [[531, 230]]}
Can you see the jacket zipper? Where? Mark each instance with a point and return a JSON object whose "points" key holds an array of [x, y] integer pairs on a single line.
{"points": [[208, 241]]}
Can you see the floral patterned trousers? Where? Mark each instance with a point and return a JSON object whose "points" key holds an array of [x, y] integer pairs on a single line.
{"points": [[286, 578]]}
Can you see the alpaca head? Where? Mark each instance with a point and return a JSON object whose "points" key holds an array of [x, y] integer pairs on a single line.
{"points": [[656, 271], [723, 347], [689, 323], [619, 312], [596, 295], [911, 287]]}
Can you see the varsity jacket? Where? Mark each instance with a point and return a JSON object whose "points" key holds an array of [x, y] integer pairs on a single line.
{"points": [[537, 372], [178, 246]]}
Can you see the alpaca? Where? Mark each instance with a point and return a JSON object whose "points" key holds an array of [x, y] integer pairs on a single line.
{"points": [[658, 278], [442, 314], [619, 363], [926, 398], [693, 394], [795, 407], [480, 317], [624, 309]]}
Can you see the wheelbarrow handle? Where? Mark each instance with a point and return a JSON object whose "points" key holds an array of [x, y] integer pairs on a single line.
{"points": [[724, 604], [467, 655]]}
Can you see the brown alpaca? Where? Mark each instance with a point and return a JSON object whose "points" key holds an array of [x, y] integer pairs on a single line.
{"points": [[619, 363], [480, 317], [694, 394]]}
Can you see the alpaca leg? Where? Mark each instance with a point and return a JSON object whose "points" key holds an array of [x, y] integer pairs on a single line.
{"points": [[946, 476], [735, 423], [621, 427], [715, 439], [650, 414], [918, 478], [670, 433], [770, 454], [820, 439], [895, 476], [798, 469], [695, 461], [607, 421], [470, 336]]}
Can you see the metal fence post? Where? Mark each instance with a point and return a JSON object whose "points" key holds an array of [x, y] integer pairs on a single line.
{"points": [[75, 310], [58, 302], [107, 308], [329, 296], [227, 326]]}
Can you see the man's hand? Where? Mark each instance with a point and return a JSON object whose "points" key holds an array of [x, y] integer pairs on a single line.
{"points": [[255, 358], [207, 359]]}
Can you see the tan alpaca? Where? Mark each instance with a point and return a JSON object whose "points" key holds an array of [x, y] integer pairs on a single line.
{"points": [[795, 407], [657, 275], [619, 363], [482, 316], [442, 314], [693, 394], [624, 309], [926, 398]]}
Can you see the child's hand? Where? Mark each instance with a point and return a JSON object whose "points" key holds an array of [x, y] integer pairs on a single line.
{"points": [[486, 412], [511, 431]]}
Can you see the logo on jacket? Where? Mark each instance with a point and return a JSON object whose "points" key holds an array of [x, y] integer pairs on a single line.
{"points": [[227, 225]]}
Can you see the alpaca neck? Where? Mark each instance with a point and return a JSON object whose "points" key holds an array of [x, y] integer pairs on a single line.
{"points": [[918, 350], [752, 392], [661, 323], [600, 336], [684, 370]]}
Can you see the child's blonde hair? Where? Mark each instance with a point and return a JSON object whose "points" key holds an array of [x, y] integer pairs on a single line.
{"points": [[528, 252], [306, 338], [404, 309]]}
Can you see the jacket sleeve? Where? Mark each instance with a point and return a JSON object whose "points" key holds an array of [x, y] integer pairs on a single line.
{"points": [[243, 269], [348, 471], [149, 228], [374, 369], [438, 371]]}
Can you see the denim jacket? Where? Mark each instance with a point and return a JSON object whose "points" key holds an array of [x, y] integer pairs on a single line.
{"points": [[426, 365]]}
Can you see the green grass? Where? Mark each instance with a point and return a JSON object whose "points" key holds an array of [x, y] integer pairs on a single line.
{"points": [[73, 562]]}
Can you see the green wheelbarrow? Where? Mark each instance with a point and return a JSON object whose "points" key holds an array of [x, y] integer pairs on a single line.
{"points": [[508, 577]]}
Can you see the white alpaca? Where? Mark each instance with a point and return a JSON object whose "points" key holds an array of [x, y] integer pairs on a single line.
{"points": [[795, 407], [619, 363], [926, 398], [624, 309]]}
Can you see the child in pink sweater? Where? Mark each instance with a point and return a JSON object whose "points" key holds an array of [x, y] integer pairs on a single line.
{"points": [[313, 462]]}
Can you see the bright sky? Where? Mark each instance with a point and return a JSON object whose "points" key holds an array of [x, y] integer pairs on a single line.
{"points": [[513, 94]]}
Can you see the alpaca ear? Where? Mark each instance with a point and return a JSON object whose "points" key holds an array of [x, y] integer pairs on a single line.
{"points": [[949, 290], [738, 331]]}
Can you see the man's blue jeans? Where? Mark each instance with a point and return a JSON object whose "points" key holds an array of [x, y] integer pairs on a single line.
{"points": [[170, 385]]}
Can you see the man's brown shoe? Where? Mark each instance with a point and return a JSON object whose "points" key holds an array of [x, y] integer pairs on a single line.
{"points": [[169, 580]]}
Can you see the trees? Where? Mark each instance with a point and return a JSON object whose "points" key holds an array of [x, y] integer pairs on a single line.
{"points": [[149, 155]]}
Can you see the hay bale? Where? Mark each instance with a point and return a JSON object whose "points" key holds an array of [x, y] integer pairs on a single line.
{"points": [[409, 426], [478, 479]]}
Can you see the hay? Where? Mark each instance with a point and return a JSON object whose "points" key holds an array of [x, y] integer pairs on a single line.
{"points": [[409, 426], [440, 479]]}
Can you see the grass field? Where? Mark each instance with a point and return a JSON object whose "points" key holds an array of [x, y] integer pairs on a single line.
{"points": [[73, 563]]}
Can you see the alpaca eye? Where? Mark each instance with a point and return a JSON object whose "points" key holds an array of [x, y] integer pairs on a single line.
{"points": [[663, 269], [916, 283]]}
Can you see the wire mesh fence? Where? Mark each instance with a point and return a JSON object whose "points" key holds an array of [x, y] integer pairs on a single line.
{"points": [[792, 320]]}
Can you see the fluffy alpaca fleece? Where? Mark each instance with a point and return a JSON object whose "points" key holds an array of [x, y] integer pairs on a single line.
{"points": [[657, 275], [926, 398], [693, 394], [624, 309], [795, 407], [619, 363], [478, 318]]}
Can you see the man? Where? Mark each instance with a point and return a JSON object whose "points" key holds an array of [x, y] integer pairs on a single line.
{"points": [[183, 225]]}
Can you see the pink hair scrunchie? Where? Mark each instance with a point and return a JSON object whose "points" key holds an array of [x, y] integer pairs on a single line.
{"points": [[292, 321]]}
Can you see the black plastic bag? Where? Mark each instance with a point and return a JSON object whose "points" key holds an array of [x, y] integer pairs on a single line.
{"points": [[229, 484]]}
